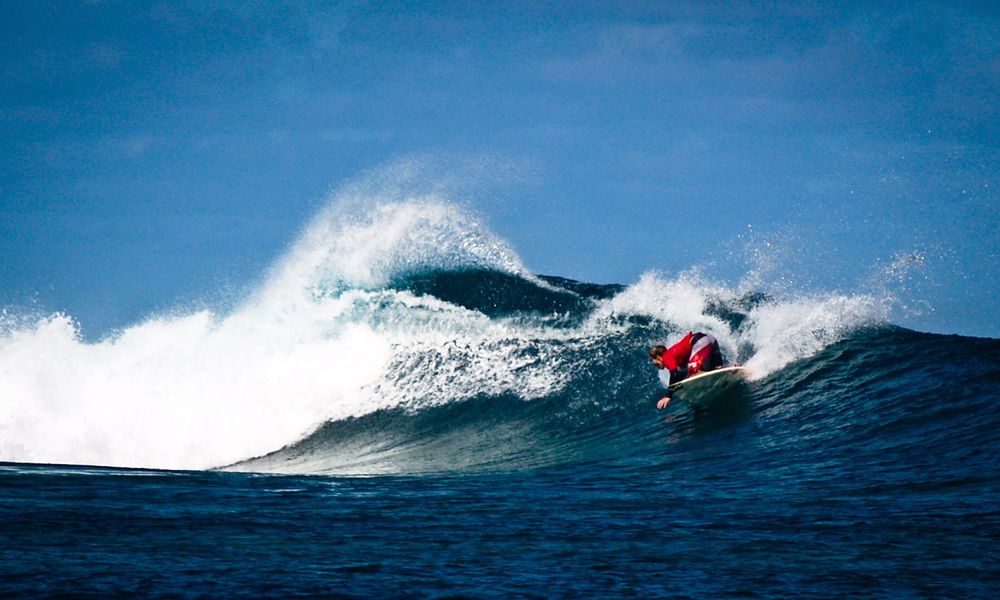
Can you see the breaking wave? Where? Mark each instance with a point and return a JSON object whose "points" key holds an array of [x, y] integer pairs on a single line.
{"points": [[399, 334]]}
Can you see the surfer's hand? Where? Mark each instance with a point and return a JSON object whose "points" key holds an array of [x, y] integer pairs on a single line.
{"points": [[664, 401]]}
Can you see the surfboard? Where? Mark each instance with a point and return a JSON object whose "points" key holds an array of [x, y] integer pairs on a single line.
{"points": [[704, 387]]}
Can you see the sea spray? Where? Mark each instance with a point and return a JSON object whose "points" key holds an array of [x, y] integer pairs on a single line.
{"points": [[364, 242], [771, 332]]}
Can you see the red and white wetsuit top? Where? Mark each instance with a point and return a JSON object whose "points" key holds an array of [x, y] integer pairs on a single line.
{"points": [[693, 351]]}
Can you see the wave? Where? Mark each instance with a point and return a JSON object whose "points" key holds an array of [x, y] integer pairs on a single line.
{"points": [[397, 334], [871, 394]]}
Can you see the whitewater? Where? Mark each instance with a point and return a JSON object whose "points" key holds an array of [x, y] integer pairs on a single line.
{"points": [[342, 327]]}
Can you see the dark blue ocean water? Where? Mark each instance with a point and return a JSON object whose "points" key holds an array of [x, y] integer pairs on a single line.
{"points": [[869, 468]]}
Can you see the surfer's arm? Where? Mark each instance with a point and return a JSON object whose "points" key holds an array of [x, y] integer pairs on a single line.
{"points": [[675, 375]]}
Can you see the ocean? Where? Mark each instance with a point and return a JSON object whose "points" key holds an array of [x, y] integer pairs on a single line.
{"points": [[400, 408]]}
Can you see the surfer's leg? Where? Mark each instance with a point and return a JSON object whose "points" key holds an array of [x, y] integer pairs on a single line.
{"points": [[703, 354], [716, 357]]}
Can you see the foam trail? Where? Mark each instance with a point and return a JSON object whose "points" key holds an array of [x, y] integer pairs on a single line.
{"points": [[799, 328]]}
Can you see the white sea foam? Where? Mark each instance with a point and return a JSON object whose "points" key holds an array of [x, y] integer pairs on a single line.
{"points": [[186, 392]]}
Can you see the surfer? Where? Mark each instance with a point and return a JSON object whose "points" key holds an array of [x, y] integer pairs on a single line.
{"points": [[695, 353]]}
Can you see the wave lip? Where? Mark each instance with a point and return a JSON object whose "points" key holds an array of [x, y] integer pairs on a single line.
{"points": [[364, 242]]}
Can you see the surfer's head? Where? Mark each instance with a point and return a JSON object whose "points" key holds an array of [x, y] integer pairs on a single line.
{"points": [[656, 355]]}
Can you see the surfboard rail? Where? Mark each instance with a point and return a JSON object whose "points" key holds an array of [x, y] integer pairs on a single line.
{"points": [[706, 386]]}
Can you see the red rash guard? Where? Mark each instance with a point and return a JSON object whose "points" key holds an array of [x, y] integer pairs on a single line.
{"points": [[677, 354]]}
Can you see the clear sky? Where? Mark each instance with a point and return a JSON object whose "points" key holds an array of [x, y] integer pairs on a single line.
{"points": [[154, 154]]}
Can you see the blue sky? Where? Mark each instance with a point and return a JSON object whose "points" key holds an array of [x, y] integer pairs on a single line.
{"points": [[159, 154]]}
